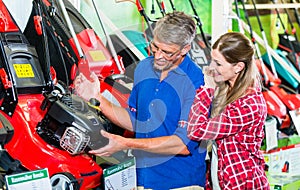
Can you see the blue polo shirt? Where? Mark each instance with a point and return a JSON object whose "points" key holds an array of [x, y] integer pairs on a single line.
{"points": [[161, 108]]}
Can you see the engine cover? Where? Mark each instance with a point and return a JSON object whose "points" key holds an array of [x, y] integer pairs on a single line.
{"points": [[72, 122]]}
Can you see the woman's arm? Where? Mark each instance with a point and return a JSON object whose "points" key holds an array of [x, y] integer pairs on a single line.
{"points": [[236, 117]]}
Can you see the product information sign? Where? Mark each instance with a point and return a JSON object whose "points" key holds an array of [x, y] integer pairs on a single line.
{"points": [[295, 115], [33, 180], [121, 176]]}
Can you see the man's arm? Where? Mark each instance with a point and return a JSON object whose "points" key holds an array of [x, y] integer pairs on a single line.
{"points": [[88, 89], [162, 145], [116, 114]]}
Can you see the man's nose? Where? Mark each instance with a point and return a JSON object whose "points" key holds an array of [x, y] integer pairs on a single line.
{"points": [[158, 54]]}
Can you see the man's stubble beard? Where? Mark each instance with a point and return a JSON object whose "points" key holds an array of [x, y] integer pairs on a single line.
{"points": [[165, 68], [168, 66]]}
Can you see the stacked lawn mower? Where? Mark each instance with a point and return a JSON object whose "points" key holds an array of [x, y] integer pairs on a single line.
{"points": [[280, 72], [278, 68]]}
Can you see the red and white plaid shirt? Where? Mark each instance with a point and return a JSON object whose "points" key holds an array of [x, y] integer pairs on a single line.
{"points": [[238, 132]]}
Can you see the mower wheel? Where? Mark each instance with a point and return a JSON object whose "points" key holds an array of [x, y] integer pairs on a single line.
{"points": [[64, 181]]}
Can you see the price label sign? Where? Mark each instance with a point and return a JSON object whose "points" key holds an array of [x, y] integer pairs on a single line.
{"points": [[33, 180], [121, 176]]}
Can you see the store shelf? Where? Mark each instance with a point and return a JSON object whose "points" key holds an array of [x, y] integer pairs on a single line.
{"points": [[272, 6]]}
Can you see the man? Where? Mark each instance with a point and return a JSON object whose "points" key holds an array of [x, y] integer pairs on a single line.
{"points": [[159, 104]]}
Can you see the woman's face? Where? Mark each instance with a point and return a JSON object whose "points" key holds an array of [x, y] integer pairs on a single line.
{"points": [[222, 70]]}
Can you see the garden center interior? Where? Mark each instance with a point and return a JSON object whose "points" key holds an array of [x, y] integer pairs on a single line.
{"points": [[45, 129]]}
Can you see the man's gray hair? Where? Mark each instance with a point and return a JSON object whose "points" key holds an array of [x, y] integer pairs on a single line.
{"points": [[175, 28]]}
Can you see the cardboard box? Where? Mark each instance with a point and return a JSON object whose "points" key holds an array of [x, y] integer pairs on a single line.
{"points": [[284, 181], [283, 160]]}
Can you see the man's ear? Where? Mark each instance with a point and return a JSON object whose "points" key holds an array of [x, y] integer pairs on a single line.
{"points": [[185, 49]]}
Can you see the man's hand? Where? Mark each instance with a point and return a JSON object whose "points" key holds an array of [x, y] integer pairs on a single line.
{"points": [[85, 88], [116, 144]]}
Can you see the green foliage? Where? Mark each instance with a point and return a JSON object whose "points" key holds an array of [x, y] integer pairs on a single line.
{"points": [[125, 15], [203, 8]]}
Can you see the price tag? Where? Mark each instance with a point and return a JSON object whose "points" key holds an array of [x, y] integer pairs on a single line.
{"points": [[33, 180], [121, 176]]}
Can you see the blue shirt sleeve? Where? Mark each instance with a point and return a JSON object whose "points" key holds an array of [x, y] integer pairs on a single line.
{"points": [[197, 79]]}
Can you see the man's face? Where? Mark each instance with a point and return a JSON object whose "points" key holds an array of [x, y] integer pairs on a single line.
{"points": [[165, 55]]}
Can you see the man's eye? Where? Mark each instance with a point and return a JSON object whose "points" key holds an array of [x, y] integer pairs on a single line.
{"points": [[166, 52]]}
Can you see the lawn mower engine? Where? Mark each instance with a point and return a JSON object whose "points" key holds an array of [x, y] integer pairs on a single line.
{"points": [[71, 124]]}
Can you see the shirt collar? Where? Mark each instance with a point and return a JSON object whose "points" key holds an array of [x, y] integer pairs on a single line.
{"points": [[183, 66]]}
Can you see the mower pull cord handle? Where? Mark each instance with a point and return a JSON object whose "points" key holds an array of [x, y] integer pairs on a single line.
{"points": [[38, 25]]}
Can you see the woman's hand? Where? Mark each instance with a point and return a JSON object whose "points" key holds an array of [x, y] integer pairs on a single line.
{"points": [[85, 88], [116, 144], [209, 77]]}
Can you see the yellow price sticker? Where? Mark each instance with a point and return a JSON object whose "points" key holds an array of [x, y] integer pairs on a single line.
{"points": [[23, 70], [97, 55], [266, 158]]}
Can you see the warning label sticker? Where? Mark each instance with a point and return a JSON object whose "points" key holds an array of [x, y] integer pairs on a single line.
{"points": [[24, 70]]}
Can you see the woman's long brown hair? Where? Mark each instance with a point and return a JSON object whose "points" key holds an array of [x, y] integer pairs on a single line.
{"points": [[235, 47]]}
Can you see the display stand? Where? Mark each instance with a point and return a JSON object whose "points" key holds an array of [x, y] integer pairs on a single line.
{"points": [[222, 14]]}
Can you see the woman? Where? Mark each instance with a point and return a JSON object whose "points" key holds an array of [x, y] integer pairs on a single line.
{"points": [[234, 118]]}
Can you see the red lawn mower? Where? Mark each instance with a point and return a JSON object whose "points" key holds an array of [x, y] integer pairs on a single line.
{"points": [[42, 124]]}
